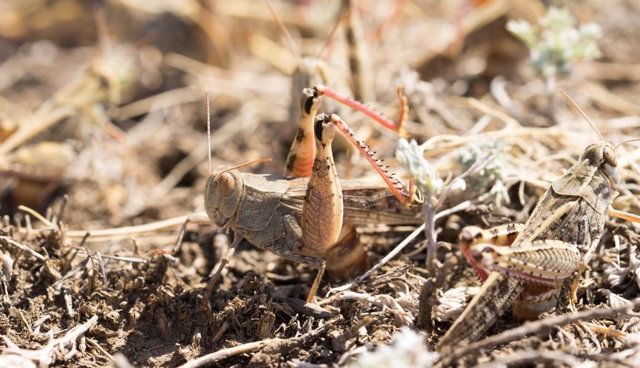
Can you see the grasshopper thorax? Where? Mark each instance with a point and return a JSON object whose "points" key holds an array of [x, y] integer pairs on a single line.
{"points": [[222, 194], [603, 155]]}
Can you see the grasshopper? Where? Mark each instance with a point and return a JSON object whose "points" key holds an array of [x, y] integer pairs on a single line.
{"points": [[301, 219], [544, 256]]}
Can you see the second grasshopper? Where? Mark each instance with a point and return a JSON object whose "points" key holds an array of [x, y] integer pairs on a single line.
{"points": [[534, 264]]}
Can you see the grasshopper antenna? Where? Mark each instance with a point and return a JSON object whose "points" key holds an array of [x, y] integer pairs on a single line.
{"points": [[292, 45], [584, 115], [573, 102], [325, 46], [244, 164], [625, 142], [209, 130]]}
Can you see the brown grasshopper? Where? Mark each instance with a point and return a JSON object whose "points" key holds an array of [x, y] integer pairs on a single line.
{"points": [[301, 219], [544, 256]]}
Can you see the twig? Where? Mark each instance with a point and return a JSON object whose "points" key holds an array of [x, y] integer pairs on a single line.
{"points": [[97, 346], [44, 118], [609, 71], [176, 174], [452, 141], [118, 232], [430, 208], [160, 101], [623, 215], [301, 307], [531, 357], [537, 327], [46, 355], [605, 99], [253, 346], [23, 247], [480, 106], [381, 263], [384, 301], [229, 352]]}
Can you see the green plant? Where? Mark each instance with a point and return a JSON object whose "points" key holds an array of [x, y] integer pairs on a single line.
{"points": [[556, 43]]}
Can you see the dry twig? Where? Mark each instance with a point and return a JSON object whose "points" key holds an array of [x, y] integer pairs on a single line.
{"points": [[64, 346], [256, 345], [23, 247]]}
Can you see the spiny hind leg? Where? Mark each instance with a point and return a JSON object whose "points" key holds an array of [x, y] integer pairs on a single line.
{"points": [[397, 125], [302, 152]]}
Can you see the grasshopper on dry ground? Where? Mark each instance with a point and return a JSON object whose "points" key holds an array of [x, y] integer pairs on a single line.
{"points": [[546, 254], [299, 224]]}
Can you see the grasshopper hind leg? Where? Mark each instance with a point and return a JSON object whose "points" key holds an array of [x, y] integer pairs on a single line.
{"points": [[303, 148], [494, 298], [316, 283], [294, 251]]}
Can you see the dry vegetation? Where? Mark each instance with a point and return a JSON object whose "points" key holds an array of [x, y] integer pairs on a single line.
{"points": [[104, 153]]}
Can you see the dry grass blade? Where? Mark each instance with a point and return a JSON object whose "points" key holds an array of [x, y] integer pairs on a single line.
{"points": [[64, 346], [128, 231], [460, 207]]}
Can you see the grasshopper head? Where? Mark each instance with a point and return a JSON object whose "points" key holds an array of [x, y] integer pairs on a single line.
{"points": [[222, 194], [603, 155]]}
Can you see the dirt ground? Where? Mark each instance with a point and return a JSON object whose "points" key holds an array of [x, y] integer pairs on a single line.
{"points": [[103, 138]]}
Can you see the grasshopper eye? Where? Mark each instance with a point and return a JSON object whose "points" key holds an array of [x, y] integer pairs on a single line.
{"points": [[609, 156], [226, 184]]}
